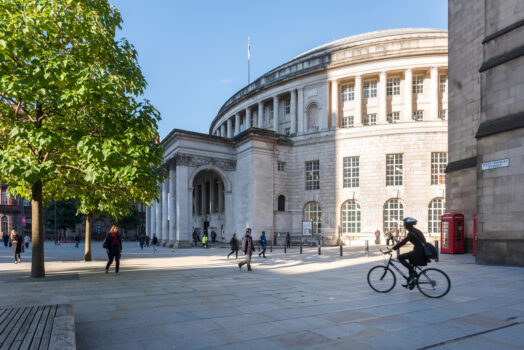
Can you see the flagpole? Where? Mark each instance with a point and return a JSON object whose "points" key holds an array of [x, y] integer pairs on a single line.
{"points": [[248, 58]]}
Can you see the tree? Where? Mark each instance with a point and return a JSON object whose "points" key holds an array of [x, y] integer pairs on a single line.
{"points": [[130, 221], [65, 83]]}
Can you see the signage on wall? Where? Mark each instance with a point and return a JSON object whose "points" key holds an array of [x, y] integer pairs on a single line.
{"points": [[494, 164], [307, 228]]}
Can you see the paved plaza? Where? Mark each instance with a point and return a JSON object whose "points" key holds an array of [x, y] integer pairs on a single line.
{"points": [[197, 299]]}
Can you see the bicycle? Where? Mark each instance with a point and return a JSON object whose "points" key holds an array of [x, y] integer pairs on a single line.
{"points": [[431, 282]]}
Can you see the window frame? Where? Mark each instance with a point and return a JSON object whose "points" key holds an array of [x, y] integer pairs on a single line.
{"points": [[390, 221], [313, 208], [439, 161], [369, 89], [312, 172], [351, 172], [287, 106], [393, 86], [394, 161], [418, 84], [370, 119], [418, 115], [442, 83], [351, 217], [393, 117], [281, 166], [347, 122], [347, 92]]}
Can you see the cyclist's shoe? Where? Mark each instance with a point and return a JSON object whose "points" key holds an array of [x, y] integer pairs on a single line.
{"points": [[410, 284]]}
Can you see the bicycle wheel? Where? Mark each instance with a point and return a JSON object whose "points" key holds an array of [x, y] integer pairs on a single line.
{"points": [[381, 279], [433, 283]]}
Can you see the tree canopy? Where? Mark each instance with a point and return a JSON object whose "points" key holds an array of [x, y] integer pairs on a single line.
{"points": [[71, 122]]}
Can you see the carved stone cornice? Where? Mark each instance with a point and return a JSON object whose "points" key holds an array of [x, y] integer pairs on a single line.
{"points": [[185, 159]]}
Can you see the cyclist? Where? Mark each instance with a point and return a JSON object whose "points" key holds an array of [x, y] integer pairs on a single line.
{"points": [[416, 257]]}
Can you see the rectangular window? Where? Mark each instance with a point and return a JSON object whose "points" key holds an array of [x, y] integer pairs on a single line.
{"points": [[287, 106], [394, 117], [313, 175], [351, 171], [370, 89], [393, 86], [443, 114], [394, 170], [443, 84], [418, 116], [439, 161], [287, 131], [271, 114], [347, 122], [370, 119], [4, 197], [418, 84], [281, 166], [348, 92]]}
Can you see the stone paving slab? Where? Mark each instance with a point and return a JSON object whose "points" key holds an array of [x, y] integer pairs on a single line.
{"points": [[197, 299]]}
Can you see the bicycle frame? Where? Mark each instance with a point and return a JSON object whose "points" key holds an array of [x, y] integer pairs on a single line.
{"points": [[391, 263]]}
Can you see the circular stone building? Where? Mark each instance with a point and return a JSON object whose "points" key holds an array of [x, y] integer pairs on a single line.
{"points": [[345, 139]]}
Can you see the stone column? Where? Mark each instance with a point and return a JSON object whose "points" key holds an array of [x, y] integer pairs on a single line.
{"points": [[300, 111], [260, 115], [275, 114], [293, 112], [158, 220], [165, 201], [172, 206], [152, 214], [237, 123], [223, 130], [229, 131], [358, 101], [334, 104], [184, 215], [407, 116], [148, 221], [248, 118], [433, 115], [382, 99]]}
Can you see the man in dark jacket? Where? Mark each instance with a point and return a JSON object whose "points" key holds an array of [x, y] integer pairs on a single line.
{"points": [[416, 257], [263, 244], [247, 249], [234, 245]]}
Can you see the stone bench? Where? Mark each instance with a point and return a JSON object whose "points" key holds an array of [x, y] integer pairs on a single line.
{"points": [[37, 325]]}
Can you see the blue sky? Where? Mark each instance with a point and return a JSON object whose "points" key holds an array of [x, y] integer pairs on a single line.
{"points": [[194, 53]]}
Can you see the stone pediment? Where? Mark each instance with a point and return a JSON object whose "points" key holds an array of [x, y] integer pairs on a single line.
{"points": [[186, 159]]}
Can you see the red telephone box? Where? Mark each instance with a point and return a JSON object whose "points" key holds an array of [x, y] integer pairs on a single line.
{"points": [[452, 233]]}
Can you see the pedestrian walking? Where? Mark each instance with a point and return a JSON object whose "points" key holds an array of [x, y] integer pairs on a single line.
{"points": [[377, 237], [263, 244], [113, 246], [147, 241], [213, 236], [196, 238], [77, 241], [5, 237], [16, 246], [233, 243], [141, 241], [247, 248], [26, 241], [204, 240], [288, 240], [154, 243]]}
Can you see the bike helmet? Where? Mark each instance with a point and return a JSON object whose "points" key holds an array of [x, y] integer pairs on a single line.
{"points": [[409, 222]]}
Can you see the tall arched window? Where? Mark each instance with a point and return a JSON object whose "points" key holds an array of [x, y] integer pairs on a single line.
{"points": [[313, 213], [281, 203], [4, 197], [351, 217], [435, 211], [312, 118], [393, 214], [4, 224]]}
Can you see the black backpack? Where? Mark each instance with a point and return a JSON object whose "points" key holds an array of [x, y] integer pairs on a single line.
{"points": [[429, 249], [106, 244]]}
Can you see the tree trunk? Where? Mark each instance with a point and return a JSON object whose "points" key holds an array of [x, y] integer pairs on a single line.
{"points": [[87, 254], [37, 230]]}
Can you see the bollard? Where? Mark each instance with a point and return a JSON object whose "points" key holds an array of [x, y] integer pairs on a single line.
{"points": [[341, 253], [436, 248], [319, 247], [271, 246], [285, 248], [367, 248], [301, 247]]}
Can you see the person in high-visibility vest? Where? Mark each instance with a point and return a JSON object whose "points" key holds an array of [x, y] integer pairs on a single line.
{"points": [[204, 240]]}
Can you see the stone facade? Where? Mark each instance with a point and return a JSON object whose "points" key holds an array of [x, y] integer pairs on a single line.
{"points": [[486, 112], [278, 146]]}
